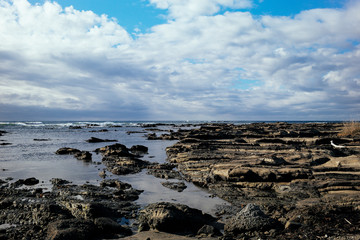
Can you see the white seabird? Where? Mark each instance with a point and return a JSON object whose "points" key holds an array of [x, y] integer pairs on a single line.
{"points": [[335, 146]]}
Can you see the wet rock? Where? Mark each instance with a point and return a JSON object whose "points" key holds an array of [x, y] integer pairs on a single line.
{"points": [[98, 140], [164, 171], [4, 144], [139, 149], [31, 181], [172, 218], [250, 219], [154, 136], [124, 165], [2, 132], [101, 130], [27, 182], [102, 174], [108, 228], [68, 211], [177, 186], [80, 155], [208, 231], [83, 155], [117, 149], [319, 161], [115, 184], [59, 181], [70, 229], [291, 225], [75, 127], [66, 150], [120, 161]]}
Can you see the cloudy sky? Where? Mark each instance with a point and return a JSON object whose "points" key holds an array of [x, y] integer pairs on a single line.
{"points": [[180, 60]]}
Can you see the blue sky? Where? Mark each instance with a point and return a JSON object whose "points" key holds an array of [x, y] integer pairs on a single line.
{"points": [[131, 14], [180, 60], [141, 14]]}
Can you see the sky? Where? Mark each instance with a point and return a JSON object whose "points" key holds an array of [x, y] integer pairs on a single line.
{"points": [[265, 60]]}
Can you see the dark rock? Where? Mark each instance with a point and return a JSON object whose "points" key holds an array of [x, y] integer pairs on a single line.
{"points": [[208, 231], [124, 165], [66, 150], [120, 161], [101, 130], [75, 127], [108, 227], [102, 173], [319, 161], [97, 140], [139, 149], [164, 171], [172, 218], [83, 155], [27, 182], [59, 181], [313, 132], [274, 161], [271, 140], [291, 225], [41, 139], [4, 144], [115, 184], [31, 181], [66, 212], [177, 186], [153, 136], [251, 218], [117, 149], [70, 229]]}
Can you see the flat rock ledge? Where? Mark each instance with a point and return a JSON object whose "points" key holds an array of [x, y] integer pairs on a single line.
{"points": [[303, 176]]}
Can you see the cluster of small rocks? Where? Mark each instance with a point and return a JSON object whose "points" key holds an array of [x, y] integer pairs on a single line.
{"points": [[68, 211]]}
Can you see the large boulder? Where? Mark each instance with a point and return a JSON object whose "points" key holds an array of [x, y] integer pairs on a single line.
{"points": [[139, 149], [250, 219], [116, 149], [120, 161], [173, 218], [70, 229]]}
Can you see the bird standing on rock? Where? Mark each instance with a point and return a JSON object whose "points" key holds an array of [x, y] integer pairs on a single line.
{"points": [[335, 146]]}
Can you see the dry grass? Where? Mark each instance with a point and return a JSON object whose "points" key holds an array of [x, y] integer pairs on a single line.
{"points": [[350, 129]]}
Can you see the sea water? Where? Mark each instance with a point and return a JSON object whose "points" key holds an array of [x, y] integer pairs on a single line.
{"points": [[28, 150]]}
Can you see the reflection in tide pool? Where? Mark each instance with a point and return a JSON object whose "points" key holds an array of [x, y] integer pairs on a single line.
{"points": [[154, 192]]}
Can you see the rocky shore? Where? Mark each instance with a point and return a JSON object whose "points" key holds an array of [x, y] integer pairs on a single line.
{"points": [[284, 181], [304, 177]]}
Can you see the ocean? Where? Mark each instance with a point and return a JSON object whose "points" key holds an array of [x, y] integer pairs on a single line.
{"points": [[27, 149]]}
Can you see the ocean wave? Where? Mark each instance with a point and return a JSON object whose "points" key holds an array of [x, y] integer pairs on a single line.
{"points": [[67, 124]]}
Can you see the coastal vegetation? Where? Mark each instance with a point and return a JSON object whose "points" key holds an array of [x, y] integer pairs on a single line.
{"points": [[351, 128]]}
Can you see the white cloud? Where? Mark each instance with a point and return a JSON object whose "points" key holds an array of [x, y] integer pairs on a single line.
{"points": [[187, 68], [188, 9]]}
